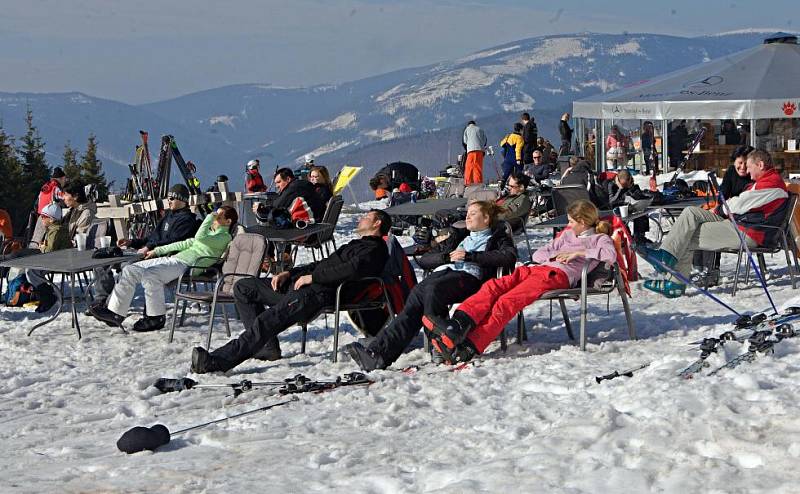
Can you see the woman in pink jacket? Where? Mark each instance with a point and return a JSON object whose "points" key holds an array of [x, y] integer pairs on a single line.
{"points": [[480, 319]]}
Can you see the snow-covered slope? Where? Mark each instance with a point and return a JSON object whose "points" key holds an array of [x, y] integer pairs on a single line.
{"points": [[530, 420], [221, 128]]}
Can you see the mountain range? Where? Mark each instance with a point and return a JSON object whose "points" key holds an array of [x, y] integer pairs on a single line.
{"points": [[413, 115]]}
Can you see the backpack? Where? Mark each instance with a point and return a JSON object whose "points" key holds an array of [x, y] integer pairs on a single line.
{"points": [[19, 292], [279, 218]]}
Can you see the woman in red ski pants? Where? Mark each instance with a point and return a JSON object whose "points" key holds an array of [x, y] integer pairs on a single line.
{"points": [[480, 319]]}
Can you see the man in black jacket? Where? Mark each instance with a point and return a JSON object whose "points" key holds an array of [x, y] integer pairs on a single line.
{"points": [[289, 189], [451, 283], [616, 191], [530, 134], [178, 223], [298, 295]]}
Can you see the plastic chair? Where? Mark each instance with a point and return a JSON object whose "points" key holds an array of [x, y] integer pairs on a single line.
{"points": [[243, 260]]}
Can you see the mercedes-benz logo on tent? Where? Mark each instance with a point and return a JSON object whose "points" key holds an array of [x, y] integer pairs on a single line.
{"points": [[708, 81]]}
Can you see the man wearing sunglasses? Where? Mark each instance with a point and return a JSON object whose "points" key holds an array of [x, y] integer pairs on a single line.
{"points": [[178, 223]]}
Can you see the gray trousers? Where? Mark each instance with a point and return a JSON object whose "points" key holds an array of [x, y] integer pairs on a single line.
{"points": [[698, 229]]}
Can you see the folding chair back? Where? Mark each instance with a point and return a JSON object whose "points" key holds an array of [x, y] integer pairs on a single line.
{"points": [[245, 254], [564, 195]]}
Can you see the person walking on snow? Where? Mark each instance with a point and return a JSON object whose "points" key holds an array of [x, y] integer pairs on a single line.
{"points": [[530, 134], [159, 268], [566, 135], [474, 141], [480, 319]]}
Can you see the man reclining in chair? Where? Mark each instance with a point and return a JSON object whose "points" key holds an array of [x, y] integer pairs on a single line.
{"points": [[462, 263], [159, 268], [296, 296], [764, 202], [480, 319]]}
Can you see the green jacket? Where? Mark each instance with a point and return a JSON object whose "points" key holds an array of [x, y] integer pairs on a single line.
{"points": [[517, 206], [205, 243], [56, 237]]}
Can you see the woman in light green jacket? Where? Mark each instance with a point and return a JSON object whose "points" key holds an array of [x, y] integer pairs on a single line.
{"points": [[208, 244]]}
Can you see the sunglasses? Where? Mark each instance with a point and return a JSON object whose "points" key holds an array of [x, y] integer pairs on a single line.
{"points": [[173, 197]]}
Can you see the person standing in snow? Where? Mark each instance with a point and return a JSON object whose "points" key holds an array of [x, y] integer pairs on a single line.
{"points": [[480, 318], [254, 182], [51, 192], [512, 146], [566, 135], [474, 141], [460, 264], [303, 171], [160, 268], [530, 134]]}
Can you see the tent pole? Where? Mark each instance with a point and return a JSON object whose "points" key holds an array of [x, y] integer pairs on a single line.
{"points": [[601, 145], [753, 132], [664, 146]]}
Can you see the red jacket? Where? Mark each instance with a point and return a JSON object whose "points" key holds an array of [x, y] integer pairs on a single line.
{"points": [[49, 193], [254, 182], [764, 202]]}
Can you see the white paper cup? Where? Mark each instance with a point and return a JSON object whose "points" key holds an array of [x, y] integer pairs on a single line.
{"points": [[623, 211], [80, 241], [105, 241]]}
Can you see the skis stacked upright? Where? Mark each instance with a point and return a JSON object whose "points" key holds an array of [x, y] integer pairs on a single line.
{"points": [[164, 166]]}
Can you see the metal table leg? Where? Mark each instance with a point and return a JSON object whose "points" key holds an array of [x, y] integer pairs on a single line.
{"points": [[59, 306], [75, 323]]}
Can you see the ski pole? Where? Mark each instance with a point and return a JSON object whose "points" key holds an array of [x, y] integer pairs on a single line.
{"points": [[712, 175], [616, 374], [687, 281], [150, 438]]}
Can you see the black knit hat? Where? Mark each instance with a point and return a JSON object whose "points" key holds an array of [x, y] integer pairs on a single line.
{"points": [[180, 192], [58, 172]]}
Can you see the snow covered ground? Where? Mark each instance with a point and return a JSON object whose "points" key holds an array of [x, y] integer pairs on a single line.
{"points": [[529, 420]]}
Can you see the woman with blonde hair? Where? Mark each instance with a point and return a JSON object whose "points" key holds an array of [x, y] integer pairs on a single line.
{"points": [[458, 265], [480, 319], [321, 179]]}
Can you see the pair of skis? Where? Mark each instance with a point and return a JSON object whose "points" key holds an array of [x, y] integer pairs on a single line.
{"points": [[292, 385], [759, 331]]}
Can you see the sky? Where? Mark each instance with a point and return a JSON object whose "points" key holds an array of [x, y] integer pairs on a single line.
{"points": [[143, 51]]}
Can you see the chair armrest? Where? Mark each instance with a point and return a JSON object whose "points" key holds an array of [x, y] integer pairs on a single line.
{"points": [[221, 279]]}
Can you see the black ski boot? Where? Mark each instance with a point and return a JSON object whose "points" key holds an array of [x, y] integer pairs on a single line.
{"points": [[447, 334], [150, 323], [203, 362], [47, 298], [269, 352], [364, 357], [105, 315]]}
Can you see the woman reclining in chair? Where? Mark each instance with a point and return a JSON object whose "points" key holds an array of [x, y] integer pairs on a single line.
{"points": [[208, 244], [460, 264], [481, 318]]}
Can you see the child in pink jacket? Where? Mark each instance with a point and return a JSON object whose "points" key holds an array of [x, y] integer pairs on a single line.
{"points": [[480, 319]]}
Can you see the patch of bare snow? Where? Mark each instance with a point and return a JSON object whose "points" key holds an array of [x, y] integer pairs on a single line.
{"points": [[343, 121], [631, 47], [485, 54], [223, 120], [331, 147]]}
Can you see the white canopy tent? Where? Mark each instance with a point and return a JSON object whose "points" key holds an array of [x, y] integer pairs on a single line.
{"points": [[762, 82]]}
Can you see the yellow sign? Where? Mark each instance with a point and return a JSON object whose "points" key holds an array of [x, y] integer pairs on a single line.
{"points": [[345, 176]]}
